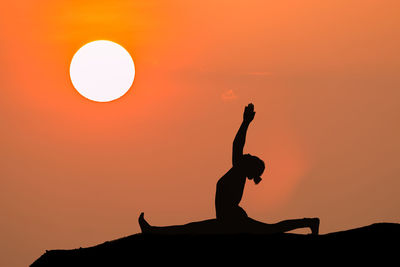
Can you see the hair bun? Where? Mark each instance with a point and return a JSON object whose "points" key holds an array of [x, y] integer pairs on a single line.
{"points": [[257, 180]]}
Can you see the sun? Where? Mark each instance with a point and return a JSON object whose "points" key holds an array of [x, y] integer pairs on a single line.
{"points": [[102, 71]]}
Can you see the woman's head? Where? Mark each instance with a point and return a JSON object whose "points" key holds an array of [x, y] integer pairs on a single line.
{"points": [[253, 167]]}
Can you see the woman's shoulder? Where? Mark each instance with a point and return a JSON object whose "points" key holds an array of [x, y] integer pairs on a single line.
{"points": [[234, 171]]}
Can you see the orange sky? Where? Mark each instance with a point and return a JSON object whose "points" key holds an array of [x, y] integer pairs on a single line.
{"points": [[323, 75]]}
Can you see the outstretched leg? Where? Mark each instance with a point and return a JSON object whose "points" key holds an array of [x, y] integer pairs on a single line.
{"points": [[211, 226], [214, 226], [284, 226]]}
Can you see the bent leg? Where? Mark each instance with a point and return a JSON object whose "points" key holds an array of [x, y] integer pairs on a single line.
{"points": [[257, 227], [211, 226]]}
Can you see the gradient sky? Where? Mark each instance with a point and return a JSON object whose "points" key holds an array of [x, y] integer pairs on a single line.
{"points": [[323, 76]]}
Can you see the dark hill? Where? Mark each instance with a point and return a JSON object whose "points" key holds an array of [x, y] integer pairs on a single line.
{"points": [[377, 242]]}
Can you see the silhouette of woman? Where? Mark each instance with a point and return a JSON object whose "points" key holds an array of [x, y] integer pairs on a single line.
{"points": [[230, 217]]}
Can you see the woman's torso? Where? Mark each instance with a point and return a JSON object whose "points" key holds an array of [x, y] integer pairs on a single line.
{"points": [[229, 192]]}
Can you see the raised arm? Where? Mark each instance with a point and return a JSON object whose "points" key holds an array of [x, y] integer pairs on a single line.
{"points": [[240, 138]]}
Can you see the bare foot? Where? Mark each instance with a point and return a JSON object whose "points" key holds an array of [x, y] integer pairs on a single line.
{"points": [[144, 226], [314, 226]]}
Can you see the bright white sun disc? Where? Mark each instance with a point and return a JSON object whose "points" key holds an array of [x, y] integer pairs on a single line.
{"points": [[102, 71]]}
